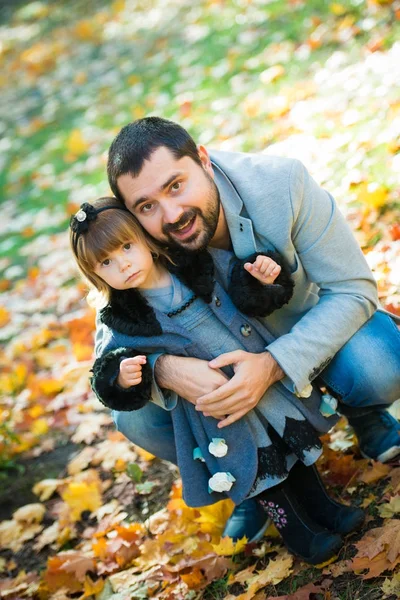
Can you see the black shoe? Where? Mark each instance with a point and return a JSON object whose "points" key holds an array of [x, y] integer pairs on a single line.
{"points": [[377, 431], [311, 493], [248, 519], [302, 536]]}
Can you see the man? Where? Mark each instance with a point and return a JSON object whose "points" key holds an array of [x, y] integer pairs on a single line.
{"points": [[330, 332]]}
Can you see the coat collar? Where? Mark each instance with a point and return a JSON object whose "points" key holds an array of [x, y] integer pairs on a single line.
{"points": [[240, 227], [129, 312]]}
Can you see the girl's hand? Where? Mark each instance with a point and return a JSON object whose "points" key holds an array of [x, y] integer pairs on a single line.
{"points": [[130, 371], [264, 269]]}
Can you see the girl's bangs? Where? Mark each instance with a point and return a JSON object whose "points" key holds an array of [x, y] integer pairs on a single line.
{"points": [[108, 237]]}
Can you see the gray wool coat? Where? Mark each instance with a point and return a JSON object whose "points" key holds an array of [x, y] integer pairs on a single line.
{"points": [[130, 326]]}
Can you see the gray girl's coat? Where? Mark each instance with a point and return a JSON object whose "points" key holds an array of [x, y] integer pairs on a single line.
{"points": [[130, 327]]}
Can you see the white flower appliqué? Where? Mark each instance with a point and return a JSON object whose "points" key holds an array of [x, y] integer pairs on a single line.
{"points": [[221, 482], [218, 447]]}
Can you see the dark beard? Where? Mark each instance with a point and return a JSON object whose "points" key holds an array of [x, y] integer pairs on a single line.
{"points": [[209, 220]]}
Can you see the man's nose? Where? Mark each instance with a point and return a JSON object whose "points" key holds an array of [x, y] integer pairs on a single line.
{"points": [[172, 212]]}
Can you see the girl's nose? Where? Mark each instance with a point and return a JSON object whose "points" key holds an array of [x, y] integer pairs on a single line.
{"points": [[124, 264]]}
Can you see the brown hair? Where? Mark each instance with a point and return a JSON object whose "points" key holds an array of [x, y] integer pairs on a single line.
{"points": [[106, 233]]}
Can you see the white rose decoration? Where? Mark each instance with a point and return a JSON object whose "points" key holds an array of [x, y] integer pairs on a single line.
{"points": [[218, 447], [305, 392], [221, 482]]}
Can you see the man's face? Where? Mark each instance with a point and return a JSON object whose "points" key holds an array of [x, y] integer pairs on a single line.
{"points": [[176, 201]]}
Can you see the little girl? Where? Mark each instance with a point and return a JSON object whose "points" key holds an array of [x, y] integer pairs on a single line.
{"points": [[202, 304]]}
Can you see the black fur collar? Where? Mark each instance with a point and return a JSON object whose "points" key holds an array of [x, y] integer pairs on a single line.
{"points": [[130, 313]]}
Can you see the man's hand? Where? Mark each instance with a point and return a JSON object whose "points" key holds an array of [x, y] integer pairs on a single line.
{"points": [[189, 377], [254, 374], [130, 371]]}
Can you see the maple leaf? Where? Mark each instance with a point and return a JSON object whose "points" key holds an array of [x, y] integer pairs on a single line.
{"points": [[68, 570], [213, 518], [305, 592], [374, 473], [276, 570], [46, 488], [82, 495], [378, 550], [30, 513], [227, 547]]}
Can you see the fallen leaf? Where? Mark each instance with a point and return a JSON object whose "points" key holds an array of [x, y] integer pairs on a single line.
{"points": [[389, 509]]}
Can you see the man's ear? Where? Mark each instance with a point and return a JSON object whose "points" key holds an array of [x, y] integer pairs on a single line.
{"points": [[205, 159]]}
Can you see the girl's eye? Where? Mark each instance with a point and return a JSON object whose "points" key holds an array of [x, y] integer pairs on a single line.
{"points": [[146, 207], [106, 262], [127, 246]]}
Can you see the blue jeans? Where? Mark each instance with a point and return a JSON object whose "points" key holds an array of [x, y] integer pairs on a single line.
{"points": [[365, 372]]}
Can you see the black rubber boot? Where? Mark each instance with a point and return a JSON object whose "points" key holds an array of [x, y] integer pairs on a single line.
{"points": [[302, 536], [311, 493]]}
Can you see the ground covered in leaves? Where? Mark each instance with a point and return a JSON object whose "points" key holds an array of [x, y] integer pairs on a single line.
{"points": [[84, 513]]}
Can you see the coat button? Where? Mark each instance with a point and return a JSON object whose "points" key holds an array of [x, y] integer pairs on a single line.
{"points": [[217, 301], [245, 330]]}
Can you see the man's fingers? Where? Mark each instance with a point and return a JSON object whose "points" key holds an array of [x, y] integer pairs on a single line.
{"points": [[231, 419], [221, 393], [223, 360]]}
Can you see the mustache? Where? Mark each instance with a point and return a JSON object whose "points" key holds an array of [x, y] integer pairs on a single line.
{"points": [[184, 219]]}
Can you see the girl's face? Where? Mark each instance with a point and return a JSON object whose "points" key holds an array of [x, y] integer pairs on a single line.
{"points": [[129, 266]]}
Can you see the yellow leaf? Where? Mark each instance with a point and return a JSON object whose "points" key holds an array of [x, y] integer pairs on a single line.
{"points": [[144, 454], [118, 6], [82, 496], [46, 488], [85, 31], [36, 411], [337, 9], [4, 316], [390, 508], [92, 588], [213, 518], [39, 427], [227, 547], [30, 513], [76, 144], [82, 352], [49, 387], [372, 195]]}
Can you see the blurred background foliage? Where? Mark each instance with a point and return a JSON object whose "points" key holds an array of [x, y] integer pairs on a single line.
{"points": [[317, 80]]}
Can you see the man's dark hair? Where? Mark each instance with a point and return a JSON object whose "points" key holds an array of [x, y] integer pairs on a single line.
{"points": [[137, 141]]}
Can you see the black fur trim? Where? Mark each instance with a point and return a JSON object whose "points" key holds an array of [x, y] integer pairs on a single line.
{"points": [[103, 382], [252, 297], [129, 313], [195, 270]]}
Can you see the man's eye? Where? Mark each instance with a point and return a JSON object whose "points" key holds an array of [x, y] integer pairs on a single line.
{"points": [[146, 207], [127, 246], [175, 187]]}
